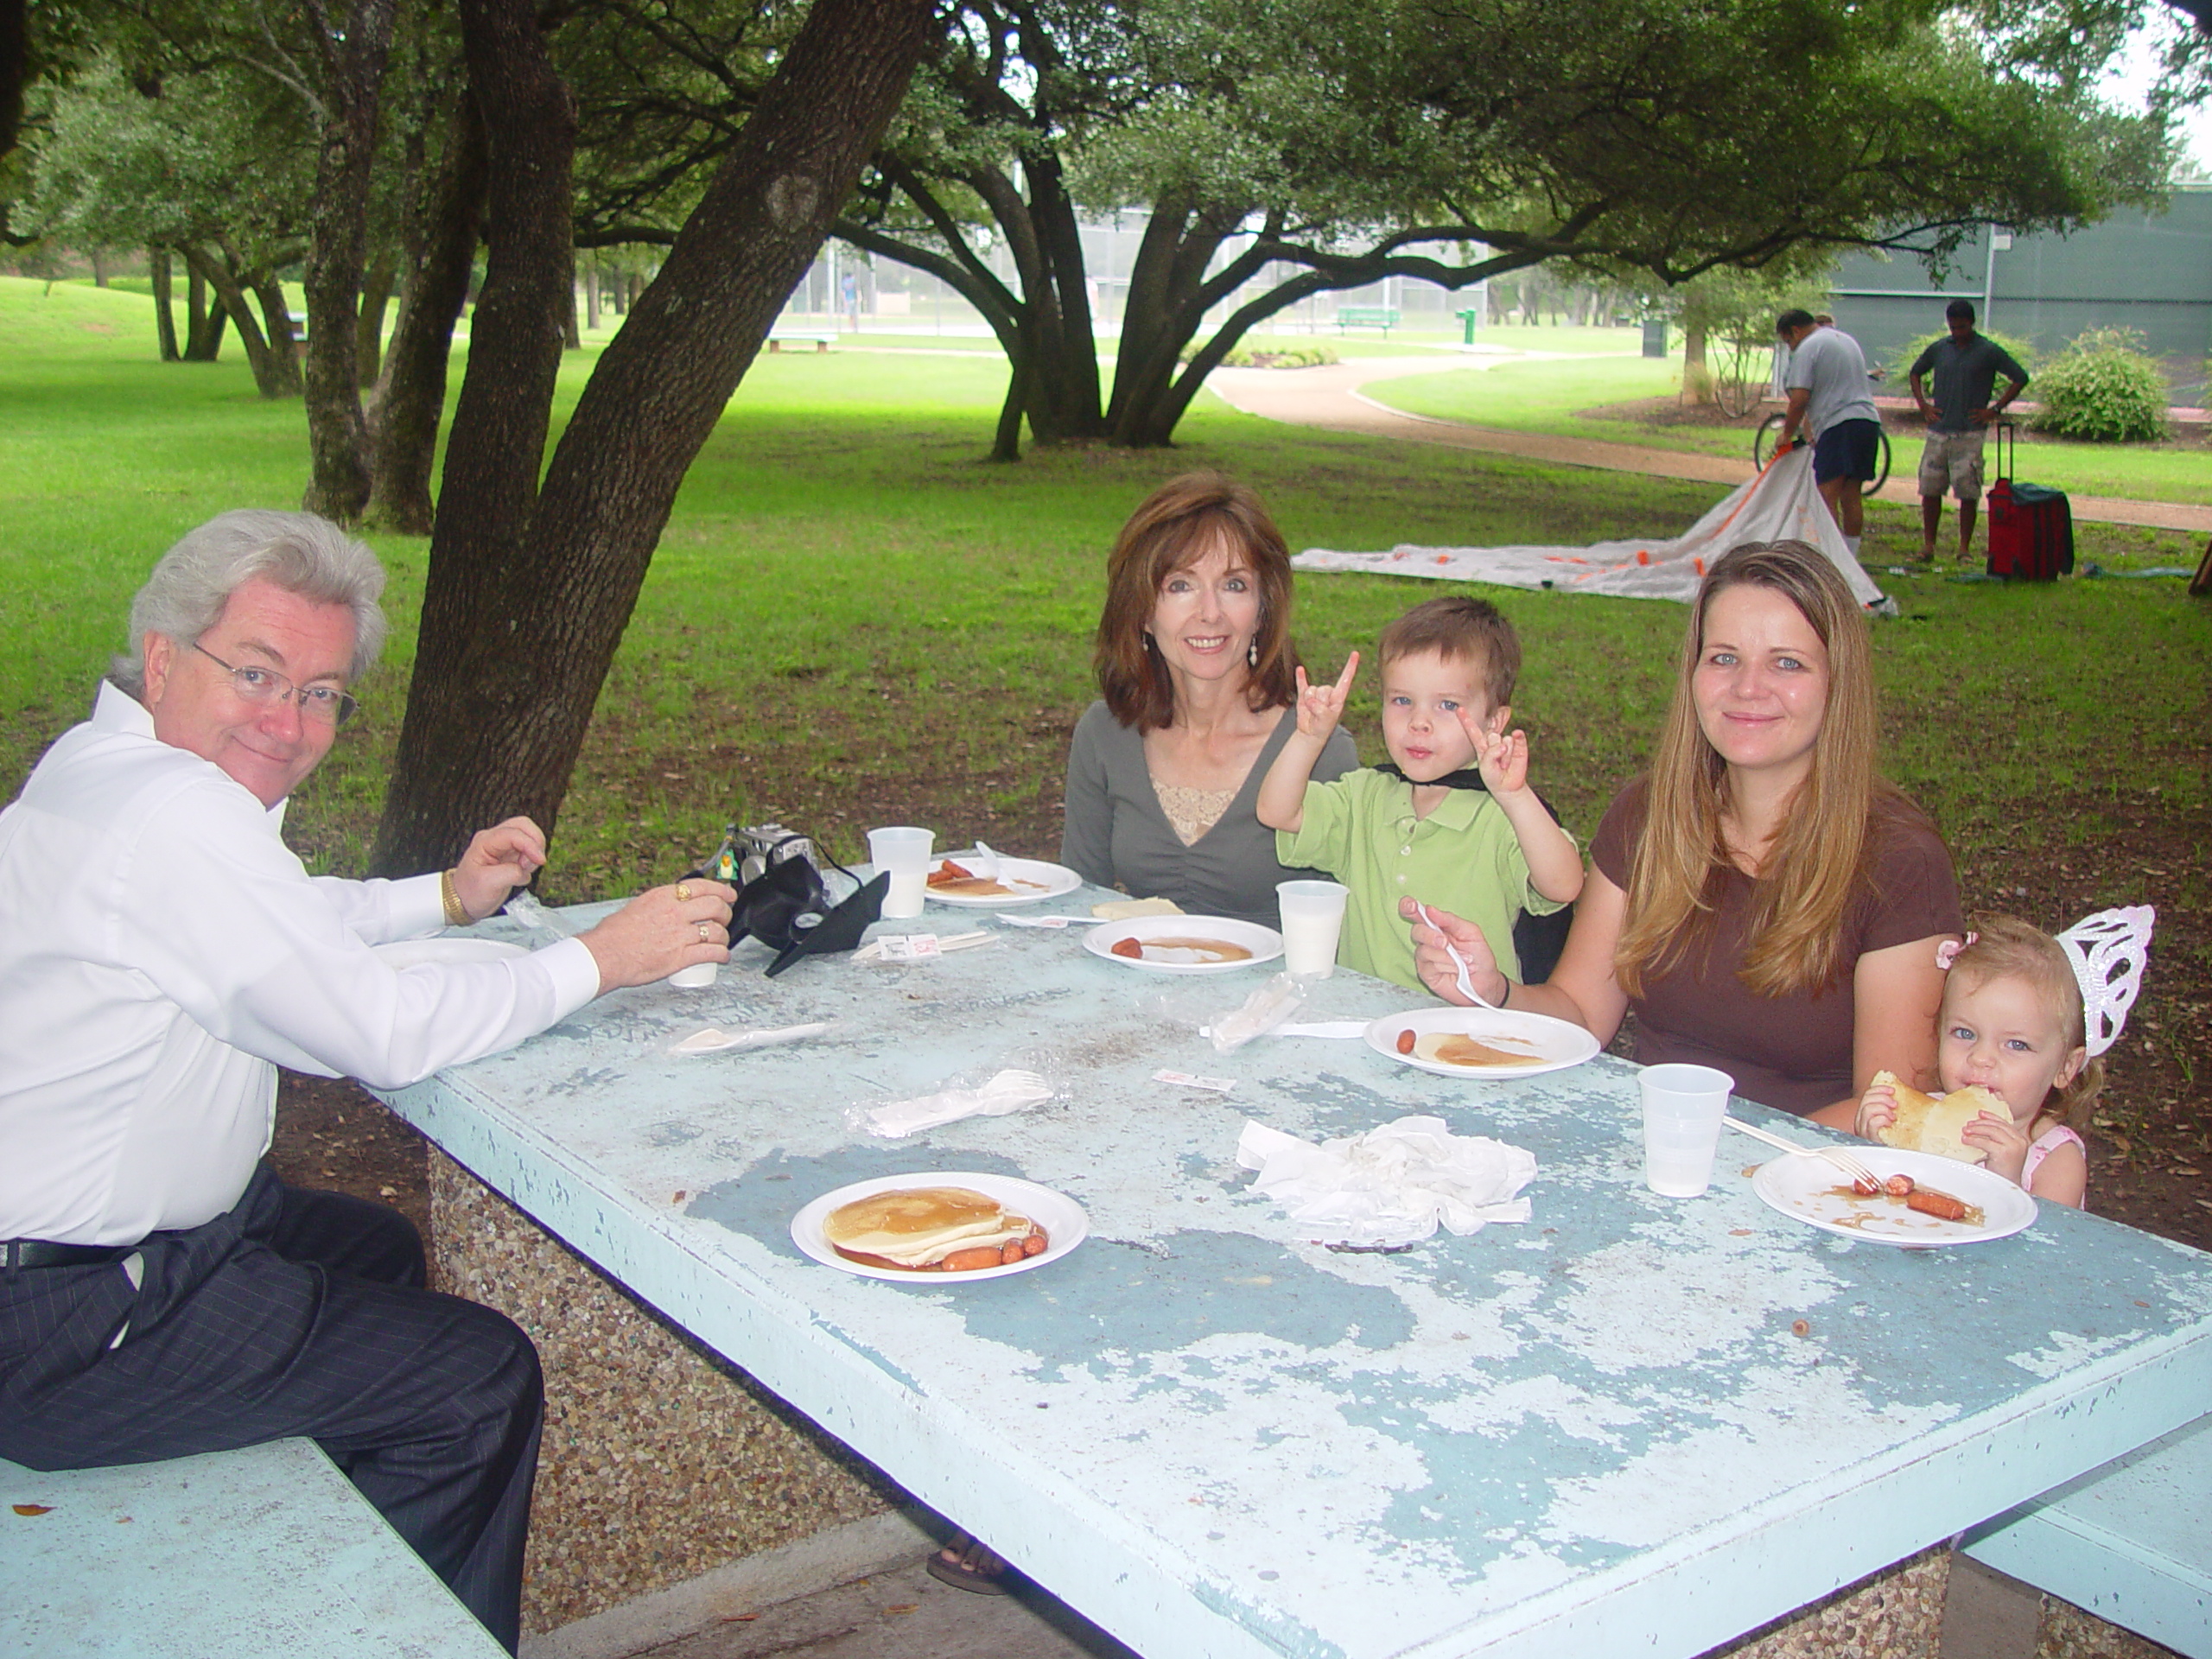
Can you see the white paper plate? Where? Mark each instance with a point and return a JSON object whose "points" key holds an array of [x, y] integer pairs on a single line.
{"points": [[1065, 1223], [1032, 879], [1807, 1189], [1554, 1044], [419, 953], [1264, 943]]}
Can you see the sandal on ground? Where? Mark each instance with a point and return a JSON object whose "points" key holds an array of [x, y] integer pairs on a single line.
{"points": [[966, 1565]]}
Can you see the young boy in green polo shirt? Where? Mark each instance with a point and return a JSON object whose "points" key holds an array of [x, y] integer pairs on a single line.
{"points": [[1451, 821]]}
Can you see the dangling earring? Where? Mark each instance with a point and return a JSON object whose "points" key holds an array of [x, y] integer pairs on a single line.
{"points": [[1252, 652]]}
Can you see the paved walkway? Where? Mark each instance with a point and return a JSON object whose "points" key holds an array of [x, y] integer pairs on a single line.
{"points": [[1330, 398]]}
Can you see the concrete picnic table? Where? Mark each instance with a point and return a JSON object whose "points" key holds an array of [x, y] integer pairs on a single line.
{"points": [[1630, 1422]]}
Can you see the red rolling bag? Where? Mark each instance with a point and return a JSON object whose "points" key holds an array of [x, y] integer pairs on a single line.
{"points": [[2030, 526]]}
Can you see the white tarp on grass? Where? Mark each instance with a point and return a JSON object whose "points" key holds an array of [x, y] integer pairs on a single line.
{"points": [[1780, 503]]}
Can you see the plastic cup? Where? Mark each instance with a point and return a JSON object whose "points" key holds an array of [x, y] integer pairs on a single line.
{"points": [[904, 851], [698, 975], [1682, 1109], [1312, 919]]}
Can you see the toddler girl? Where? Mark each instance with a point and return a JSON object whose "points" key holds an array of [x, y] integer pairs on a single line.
{"points": [[2027, 1017]]}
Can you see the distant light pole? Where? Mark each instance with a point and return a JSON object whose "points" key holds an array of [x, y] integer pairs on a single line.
{"points": [[1999, 242]]}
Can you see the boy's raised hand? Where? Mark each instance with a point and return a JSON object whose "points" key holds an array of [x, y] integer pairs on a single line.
{"points": [[1502, 756], [1320, 707]]}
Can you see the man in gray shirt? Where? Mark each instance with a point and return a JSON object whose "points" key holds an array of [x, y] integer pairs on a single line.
{"points": [[1826, 382], [1966, 366]]}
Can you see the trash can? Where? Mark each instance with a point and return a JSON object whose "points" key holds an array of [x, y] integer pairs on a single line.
{"points": [[1654, 337]]}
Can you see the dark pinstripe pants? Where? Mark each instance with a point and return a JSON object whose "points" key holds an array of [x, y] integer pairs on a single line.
{"points": [[297, 1313]]}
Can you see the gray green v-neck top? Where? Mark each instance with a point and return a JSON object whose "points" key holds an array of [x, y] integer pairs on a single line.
{"points": [[1116, 835]]}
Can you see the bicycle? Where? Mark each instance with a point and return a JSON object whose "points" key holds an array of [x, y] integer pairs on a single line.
{"points": [[1762, 447], [1763, 451]]}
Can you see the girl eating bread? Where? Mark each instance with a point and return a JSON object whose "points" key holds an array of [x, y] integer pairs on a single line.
{"points": [[2025, 1019]]}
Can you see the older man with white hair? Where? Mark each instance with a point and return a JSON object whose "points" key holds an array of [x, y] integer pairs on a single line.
{"points": [[161, 1292]]}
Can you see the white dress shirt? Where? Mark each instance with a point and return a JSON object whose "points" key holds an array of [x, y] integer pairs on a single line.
{"points": [[161, 952]]}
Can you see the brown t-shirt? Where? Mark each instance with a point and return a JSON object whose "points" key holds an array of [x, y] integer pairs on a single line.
{"points": [[1792, 1052]]}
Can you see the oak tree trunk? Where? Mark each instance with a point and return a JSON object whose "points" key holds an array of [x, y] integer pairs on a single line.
{"points": [[282, 342], [376, 299], [203, 327], [269, 377], [451, 223], [524, 609], [338, 436], [157, 268]]}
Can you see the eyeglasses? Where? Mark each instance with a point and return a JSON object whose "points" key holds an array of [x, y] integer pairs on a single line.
{"points": [[325, 704]]}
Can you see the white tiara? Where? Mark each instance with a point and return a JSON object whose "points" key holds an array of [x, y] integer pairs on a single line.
{"points": [[2107, 951]]}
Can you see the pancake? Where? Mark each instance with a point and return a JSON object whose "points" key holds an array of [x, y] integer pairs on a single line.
{"points": [[1182, 949], [919, 1226], [1934, 1122], [1456, 1048]]}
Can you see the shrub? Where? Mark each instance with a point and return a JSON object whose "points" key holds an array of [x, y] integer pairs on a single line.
{"points": [[2102, 388], [1273, 356]]}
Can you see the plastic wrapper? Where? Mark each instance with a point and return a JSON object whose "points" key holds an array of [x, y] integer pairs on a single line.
{"points": [[1263, 1011]]}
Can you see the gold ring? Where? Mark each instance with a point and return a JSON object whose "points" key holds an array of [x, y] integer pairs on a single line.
{"points": [[683, 890], [703, 934]]}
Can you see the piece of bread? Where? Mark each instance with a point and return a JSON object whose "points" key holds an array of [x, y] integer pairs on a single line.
{"points": [[1933, 1122], [1121, 910], [919, 1226]]}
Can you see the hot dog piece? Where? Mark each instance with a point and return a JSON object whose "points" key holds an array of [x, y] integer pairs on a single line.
{"points": [[1406, 1041], [985, 1255], [1929, 1202], [1128, 948], [947, 872], [1036, 1243], [1898, 1185], [1011, 1252], [1865, 1187]]}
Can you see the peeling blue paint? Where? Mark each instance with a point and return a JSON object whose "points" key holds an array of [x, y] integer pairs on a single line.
{"points": [[1602, 1424]]}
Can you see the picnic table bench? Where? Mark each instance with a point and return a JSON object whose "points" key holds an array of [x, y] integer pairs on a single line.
{"points": [[2130, 1543], [1384, 317], [262, 1553], [795, 336]]}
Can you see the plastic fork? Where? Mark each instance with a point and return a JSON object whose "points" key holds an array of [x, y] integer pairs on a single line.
{"points": [[1836, 1155], [1466, 985]]}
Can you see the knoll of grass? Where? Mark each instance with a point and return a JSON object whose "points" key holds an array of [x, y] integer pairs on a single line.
{"points": [[851, 610], [1553, 398]]}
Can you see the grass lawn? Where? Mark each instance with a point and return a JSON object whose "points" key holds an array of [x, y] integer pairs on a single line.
{"points": [[853, 620], [1558, 397]]}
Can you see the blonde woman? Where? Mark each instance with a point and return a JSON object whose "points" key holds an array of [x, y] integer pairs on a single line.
{"points": [[1761, 898]]}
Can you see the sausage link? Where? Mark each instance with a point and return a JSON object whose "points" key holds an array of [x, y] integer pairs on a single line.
{"points": [[984, 1255], [1941, 1205]]}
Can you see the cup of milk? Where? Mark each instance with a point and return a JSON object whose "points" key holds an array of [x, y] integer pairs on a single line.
{"points": [[904, 852], [1312, 919]]}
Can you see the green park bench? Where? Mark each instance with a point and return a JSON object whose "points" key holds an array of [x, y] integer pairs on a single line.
{"points": [[262, 1553], [780, 337], [1384, 317]]}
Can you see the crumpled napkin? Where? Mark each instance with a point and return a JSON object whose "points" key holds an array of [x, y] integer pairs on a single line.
{"points": [[1009, 1091], [1392, 1185]]}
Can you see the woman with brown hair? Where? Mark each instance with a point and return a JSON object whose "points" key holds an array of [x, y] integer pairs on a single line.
{"points": [[1199, 680], [1761, 898]]}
